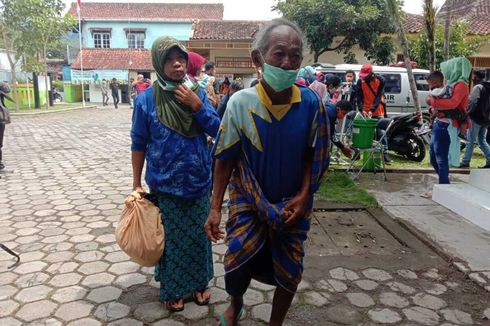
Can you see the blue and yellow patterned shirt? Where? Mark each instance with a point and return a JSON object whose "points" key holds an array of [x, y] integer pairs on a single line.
{"points": [[273, 138]]}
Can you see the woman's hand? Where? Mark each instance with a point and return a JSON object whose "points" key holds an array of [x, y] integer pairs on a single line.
{"points": [[186, 96]]}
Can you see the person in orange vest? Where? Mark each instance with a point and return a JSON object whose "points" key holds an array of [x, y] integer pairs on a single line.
{"points": [[371, 99]]}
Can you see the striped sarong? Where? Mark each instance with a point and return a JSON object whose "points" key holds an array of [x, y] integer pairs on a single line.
{"points": [[253, 219]]}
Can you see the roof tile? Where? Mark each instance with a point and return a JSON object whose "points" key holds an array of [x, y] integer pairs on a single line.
{"points": [[225, 30], [148, 11], [131, 59]]}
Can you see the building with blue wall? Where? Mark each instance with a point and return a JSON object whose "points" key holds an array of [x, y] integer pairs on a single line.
{"points": [[116, 37]]}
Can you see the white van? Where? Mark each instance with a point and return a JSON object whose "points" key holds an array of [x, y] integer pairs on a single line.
{"points": [[397, 89]]}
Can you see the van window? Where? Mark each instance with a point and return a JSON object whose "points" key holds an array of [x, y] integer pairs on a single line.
{"points": [[421, 82], [393, 83]]}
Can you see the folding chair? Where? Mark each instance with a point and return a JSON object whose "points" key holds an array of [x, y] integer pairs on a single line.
{"points": [[373, 152], [344, 134]]}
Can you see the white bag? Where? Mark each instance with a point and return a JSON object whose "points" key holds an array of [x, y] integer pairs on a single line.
{"points": [[140, 231]]}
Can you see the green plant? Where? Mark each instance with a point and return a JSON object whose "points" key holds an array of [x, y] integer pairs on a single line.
{"points": [[338, 187], [58, 84], [332, 25], [461, 44]]}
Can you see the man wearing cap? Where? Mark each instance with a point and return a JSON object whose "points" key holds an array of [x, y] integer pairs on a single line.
{"points": [[370, 98]]}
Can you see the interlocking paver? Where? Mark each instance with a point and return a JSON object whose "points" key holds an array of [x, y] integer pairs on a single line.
{"points": [[361, 300], [428, 301], [384, 316], [97, 280], [128, 280], [67, 279], [104, 294], [367, 285], [93, 267], [73, 310], [111, 311], [85, 322], [72, 293], [59, 208], [457, 316], [30, 267], [150, 312], [376, 274], [343, 274], [6, 291], [7, 307], [421, 315], [36, 310], [7, 278], [62, 267], [33, 293]]}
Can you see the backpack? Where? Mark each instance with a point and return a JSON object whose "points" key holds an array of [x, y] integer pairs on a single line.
{"points": [[481, 114]]}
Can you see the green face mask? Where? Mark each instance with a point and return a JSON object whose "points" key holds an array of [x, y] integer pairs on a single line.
{"points": [[277, 78]]}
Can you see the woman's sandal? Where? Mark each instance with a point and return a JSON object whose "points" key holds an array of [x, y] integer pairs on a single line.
{"points": [[427, 194], [222, 321], [197, 301], [172, 305]]}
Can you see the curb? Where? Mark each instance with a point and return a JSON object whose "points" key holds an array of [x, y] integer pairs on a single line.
{"points": [[411, 170], [456, 262], [21, 114]]}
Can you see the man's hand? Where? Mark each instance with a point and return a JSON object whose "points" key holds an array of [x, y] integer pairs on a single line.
{"points": [[347, 151], [211, 226], [186, 96], [367, 114], [295, 209]]}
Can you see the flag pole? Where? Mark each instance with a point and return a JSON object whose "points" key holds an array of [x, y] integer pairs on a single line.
{"points": [[81, 52]]}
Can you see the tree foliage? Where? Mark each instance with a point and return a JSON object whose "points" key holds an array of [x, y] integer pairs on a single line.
{"points": [[36, 27], [354, 22], [460, 44], [395, 11], [382, 52]]}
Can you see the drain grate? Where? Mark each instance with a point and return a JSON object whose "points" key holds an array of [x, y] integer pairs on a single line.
{"points": [[350, 233]]}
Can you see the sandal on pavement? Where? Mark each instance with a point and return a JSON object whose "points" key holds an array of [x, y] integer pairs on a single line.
{"points": [[222, 321], [427, 194], [199, 302], [172, 305]]}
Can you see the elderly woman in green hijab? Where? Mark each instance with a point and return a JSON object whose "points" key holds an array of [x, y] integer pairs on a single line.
{"points": [[457, 72], [170, 123]]}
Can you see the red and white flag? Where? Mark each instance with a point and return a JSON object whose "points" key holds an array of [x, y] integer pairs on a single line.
{"points": [[79, 5]]}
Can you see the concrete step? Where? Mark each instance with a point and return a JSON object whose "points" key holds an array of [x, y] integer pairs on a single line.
{"points": [[480, 178], [470, 202]]}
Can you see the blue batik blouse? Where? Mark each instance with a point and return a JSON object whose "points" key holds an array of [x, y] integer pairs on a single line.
{"points": [[175, 164]]}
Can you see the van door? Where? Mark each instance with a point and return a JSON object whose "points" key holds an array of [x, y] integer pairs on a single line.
{"points": [[395, 98], [422, 89]]}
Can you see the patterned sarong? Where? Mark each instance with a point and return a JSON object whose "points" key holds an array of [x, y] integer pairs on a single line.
{"points": [[253, 218]]}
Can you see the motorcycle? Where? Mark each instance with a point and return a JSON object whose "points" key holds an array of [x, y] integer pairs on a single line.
{"points": [[405, 134], [57, 96]]}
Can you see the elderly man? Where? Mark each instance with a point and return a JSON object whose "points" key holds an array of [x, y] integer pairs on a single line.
{"points": [[273, 144]]}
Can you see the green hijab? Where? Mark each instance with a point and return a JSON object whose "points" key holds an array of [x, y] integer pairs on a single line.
{"points": [[171, 112], [457, 69]]}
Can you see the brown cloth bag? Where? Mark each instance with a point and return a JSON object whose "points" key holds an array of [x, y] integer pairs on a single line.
{"points": [[140, 231]]}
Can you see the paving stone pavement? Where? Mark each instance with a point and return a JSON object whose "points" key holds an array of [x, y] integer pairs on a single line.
{"points": [[60, 199]]}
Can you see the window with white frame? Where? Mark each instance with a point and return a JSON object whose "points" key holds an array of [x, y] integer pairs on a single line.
{"points": [[136, 40], [102, 40]]}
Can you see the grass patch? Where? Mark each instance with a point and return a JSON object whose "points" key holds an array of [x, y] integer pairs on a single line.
{"points": [[338, 187], [399, 162]]}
